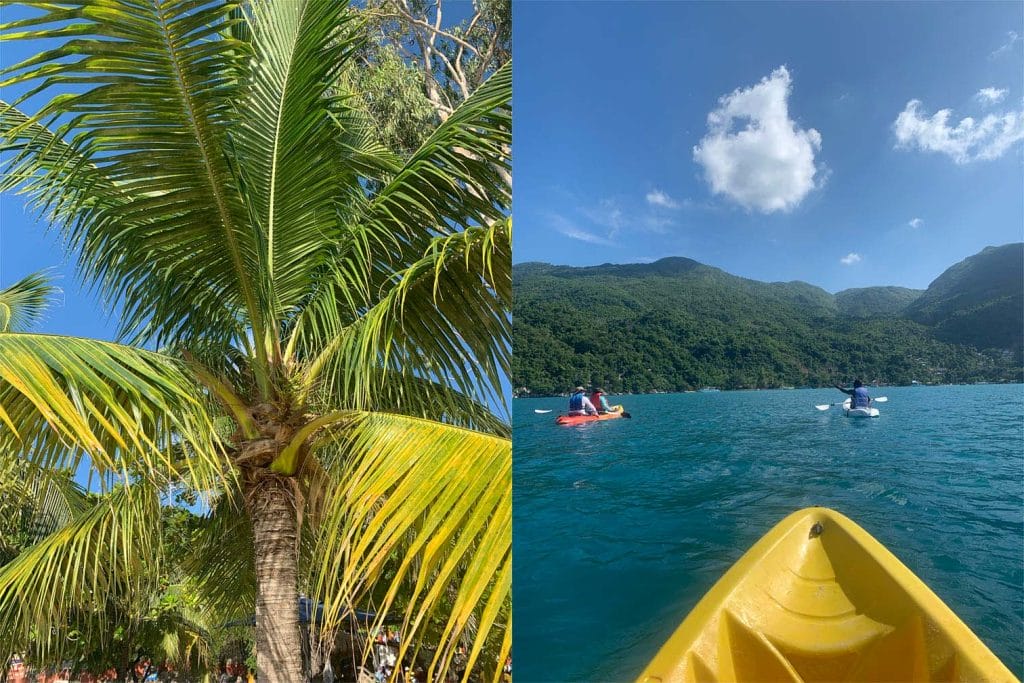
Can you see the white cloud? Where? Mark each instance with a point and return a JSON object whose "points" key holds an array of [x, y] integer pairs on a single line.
{"points": [[1011, 39], [608, 215], [656, 224], [970, 140], [659, 198], [850, 259], [769, 164], [915, 222], [989, 96], [570, 229]]}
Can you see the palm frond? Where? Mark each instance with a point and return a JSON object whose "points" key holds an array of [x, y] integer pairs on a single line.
{"points": [[445, 318], [66, 580], [62, 398], [155, 84], [22, 304], [456, 180], [293, 171], [220, 567], [431, 503]]}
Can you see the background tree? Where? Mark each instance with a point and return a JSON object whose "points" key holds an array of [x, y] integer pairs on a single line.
{"points": [[313, 329], [422, 60]]}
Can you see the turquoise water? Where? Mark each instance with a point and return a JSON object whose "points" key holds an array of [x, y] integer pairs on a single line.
{"points": [[620, 527]]}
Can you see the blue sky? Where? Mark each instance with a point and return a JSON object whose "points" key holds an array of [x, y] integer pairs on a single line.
{"points": [[796, 141]]}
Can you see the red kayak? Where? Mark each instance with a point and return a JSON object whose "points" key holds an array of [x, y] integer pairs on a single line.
{"points": [[583, 419]]}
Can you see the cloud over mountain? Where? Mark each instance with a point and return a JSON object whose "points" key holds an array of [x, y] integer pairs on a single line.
{"points": [[754, 153]]}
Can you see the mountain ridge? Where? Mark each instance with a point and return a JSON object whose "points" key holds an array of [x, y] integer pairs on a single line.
{"points": [[677, 324]]}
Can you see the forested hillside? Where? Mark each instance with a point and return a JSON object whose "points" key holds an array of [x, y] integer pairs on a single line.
{"points": [[677, 324]]}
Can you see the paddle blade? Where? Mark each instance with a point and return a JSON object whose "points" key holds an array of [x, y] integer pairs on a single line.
{"points": [[540, 412], [625, 414], [880, 399], [824, 407]]}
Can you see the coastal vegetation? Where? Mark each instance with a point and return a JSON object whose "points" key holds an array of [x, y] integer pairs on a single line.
{"points": [[314, 325], [676, 325]]}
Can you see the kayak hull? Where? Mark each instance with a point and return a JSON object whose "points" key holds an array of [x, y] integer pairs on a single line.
{"points": [[819, 599], [858, 412], [584, 419]]}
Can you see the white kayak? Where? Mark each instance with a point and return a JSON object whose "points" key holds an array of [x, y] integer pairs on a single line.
{"points": [[858, 412]]}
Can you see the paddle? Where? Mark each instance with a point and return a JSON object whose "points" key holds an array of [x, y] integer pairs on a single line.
{"points": [[880, 399], [540, 412], [626, 415]]}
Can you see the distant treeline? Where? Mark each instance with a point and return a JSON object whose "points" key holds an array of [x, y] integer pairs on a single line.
{"points": [[677, 325]]}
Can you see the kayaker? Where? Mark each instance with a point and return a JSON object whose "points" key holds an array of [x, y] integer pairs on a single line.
{"points": [[579, 404], [601, 403], [859, 394]]}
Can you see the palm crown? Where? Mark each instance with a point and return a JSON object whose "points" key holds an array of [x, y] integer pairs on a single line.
{"points": [[312, 329]]}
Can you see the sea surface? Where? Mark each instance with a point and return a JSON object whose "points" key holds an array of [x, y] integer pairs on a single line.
{"points": [[620, 527]]}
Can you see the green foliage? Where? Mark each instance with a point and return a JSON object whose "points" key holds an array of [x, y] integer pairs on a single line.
{"points": [[869, 302], [22, 304], [677, 325], [979, 301], [393, 95]]}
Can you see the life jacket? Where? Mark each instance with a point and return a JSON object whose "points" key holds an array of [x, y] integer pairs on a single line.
{"points": [[596, 400], [576, 401], [860, 398]]}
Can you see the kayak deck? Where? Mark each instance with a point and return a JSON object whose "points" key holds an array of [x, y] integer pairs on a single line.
{"points": [[819, 599], [858, 412], [583, 419]]}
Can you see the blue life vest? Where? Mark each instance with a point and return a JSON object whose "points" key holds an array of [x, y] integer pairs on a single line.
{"points": [[576, 401], [860, 398]]}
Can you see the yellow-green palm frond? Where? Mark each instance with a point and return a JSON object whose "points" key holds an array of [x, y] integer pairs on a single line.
{"points": [[128, 410], [402, 393], [68, 579], [22, 304], [431, 504]]}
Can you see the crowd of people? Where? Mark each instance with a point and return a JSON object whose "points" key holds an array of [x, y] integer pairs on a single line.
{"points": [[142, 670]]}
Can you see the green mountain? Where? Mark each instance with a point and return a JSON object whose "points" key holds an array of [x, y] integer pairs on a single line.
{"points": [[868, 302], [979, 301], [677, 324]]}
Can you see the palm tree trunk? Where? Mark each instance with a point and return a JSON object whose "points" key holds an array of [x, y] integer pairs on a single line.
{"points": [[275, 531]]}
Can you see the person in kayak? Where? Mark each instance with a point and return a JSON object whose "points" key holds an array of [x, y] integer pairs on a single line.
{"points": [[579, 404], [601, 403], [859, 394]]}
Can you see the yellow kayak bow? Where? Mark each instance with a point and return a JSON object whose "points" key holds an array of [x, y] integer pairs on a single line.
{"points": [[819, 599]]}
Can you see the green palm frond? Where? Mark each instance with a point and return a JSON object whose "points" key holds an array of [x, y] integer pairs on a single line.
{"points": [[398, 392], [445, 318], [64, 397], [65, 580], [166, 232], [290, 162], [440, 498], [457, 179], [220, 567], [22, 304]]}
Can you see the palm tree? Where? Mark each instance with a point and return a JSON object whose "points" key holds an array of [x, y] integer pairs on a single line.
{"points": [[311, 333]]}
